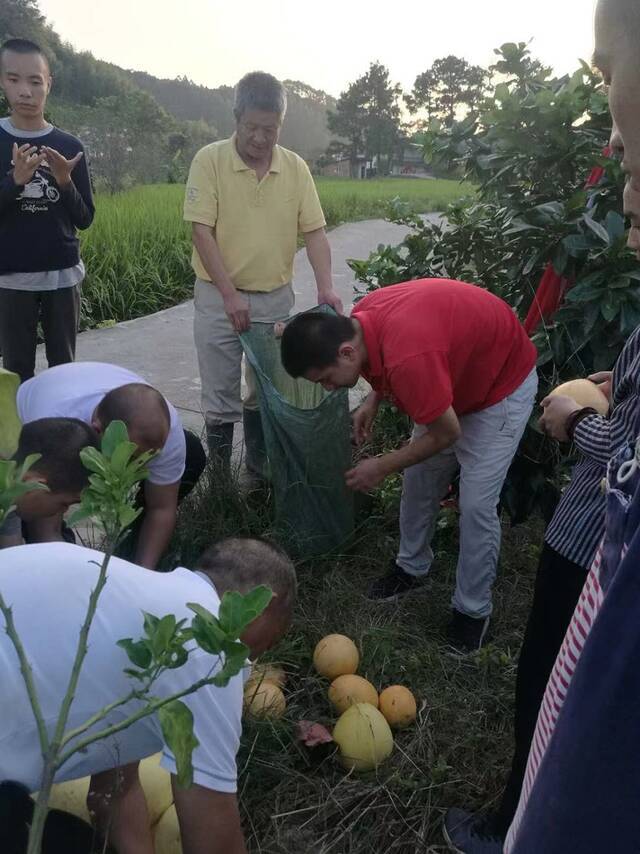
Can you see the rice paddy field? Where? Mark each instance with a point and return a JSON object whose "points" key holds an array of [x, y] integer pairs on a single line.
{"points": [[137, 252]]}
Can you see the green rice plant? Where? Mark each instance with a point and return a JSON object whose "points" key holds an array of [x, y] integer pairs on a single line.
{"points": [[138, 251]]}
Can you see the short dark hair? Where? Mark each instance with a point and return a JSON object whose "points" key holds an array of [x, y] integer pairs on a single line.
{"points": [[242, 563], [59, 442], [259, 91], [312, 340], [140, 406], [23, 46]]}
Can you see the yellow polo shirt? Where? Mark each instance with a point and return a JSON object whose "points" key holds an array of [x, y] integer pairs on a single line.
{"points": [[256, 224]]}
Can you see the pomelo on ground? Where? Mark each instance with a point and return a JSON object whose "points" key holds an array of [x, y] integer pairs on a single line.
{"points": [[267, 673], [264, 701], [398, 705], [349, 689], [364, 737], [335, 655]]}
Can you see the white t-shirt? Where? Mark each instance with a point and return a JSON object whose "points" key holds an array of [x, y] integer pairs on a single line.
{"points": [[74, 390], [48, 587]]}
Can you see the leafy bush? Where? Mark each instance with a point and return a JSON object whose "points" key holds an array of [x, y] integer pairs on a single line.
{"points": [[530, 149]]}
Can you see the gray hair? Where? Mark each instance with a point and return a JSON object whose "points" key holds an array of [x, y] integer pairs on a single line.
{"points": [[242, 563], [260, 91]]}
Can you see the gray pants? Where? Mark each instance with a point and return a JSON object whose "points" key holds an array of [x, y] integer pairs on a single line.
{"points": [[58, 311], [220, 351], [483, 454]]}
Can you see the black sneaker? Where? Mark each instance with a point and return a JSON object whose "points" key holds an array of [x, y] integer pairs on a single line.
{"points": [[394, 584], [469, 834], [467, 633]]}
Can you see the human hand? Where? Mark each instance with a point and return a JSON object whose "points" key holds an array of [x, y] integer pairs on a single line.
{"points": [[25, 162], [603, 379], [60, 166], [557, 409], [330, 297], [237, 309], [362, 421], [366, 475]]}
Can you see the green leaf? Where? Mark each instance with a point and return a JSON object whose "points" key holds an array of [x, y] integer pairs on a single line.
{"points": [[114, 435], [176, 722], [560, 259], [137, 651], [609, 309], [614, 224], [237, 611], [121, 456], [576, 245], [208, 635], [599, 230], [163, 635]]}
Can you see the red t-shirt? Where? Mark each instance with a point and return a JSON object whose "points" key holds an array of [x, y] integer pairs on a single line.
{"points": [[436, 343]]}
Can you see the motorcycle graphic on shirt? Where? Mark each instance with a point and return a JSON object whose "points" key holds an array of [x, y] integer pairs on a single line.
{"points": [[39, 188]]}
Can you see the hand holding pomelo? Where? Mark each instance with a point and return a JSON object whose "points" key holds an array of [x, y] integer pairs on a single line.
{"points": [[585, 393]]}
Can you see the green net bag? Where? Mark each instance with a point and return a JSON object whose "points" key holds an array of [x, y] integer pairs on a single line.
{"points": [[307, 438]]}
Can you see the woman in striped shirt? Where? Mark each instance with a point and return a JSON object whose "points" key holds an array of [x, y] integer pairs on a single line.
{"points": [[570, 546]]}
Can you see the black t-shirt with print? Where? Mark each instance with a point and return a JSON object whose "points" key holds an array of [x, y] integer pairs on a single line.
{"points": [[38, 221]]}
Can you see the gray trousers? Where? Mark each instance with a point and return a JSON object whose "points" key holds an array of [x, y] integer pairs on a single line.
{"points": [[20, 311], [483, 454], [220, 351]]}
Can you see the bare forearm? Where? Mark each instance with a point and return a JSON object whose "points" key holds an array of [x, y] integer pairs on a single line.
{"points": [[155, 535], [120, 816], [209, 821], [211, 257], [416, 451], [319, 254]]}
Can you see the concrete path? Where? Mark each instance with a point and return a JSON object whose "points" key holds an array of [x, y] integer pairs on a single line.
{"points": [[160, 346]]}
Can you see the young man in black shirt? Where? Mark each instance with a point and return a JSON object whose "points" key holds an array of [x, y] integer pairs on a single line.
{"points": [[45, 196]]}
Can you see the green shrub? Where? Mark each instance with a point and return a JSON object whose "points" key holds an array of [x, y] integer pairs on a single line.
{"points": [[530, 151]]}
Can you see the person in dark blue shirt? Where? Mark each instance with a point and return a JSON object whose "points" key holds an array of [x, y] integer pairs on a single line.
{"points": [[45, 196]]}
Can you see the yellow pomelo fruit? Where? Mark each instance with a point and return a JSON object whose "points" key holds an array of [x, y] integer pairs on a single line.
{"points": [[264, 701], [71, 796], [349, 689], [584, 392], [156, 783], [10, 424], [266, 673], [335, 655], [166, 837], [398, 705], [363, 736]]}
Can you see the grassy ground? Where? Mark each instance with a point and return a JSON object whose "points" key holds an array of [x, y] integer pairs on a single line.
{"points": [[137, 252], [294, 800]]}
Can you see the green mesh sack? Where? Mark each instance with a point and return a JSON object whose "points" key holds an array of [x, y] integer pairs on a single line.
{"points": [[307, 437]]}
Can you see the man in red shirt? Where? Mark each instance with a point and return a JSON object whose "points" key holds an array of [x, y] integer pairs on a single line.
{"points": [[457, 360]]}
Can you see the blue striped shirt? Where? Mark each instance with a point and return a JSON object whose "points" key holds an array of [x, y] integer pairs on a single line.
{"points": [[578, 523]]}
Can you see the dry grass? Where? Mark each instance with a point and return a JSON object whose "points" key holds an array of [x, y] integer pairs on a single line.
{"points": [[458, 753]]}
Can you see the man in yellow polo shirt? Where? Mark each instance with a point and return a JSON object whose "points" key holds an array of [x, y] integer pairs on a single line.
{"points": [[247, 199]]}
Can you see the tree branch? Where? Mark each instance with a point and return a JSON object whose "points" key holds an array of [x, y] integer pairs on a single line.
{"points": [[27, 675]]}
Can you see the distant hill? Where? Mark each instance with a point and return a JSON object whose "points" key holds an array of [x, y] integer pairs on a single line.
{"points": [[121, 113], [305, 128]]}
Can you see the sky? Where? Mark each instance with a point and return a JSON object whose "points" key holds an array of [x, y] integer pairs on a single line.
{"points": [[326, 45]]}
